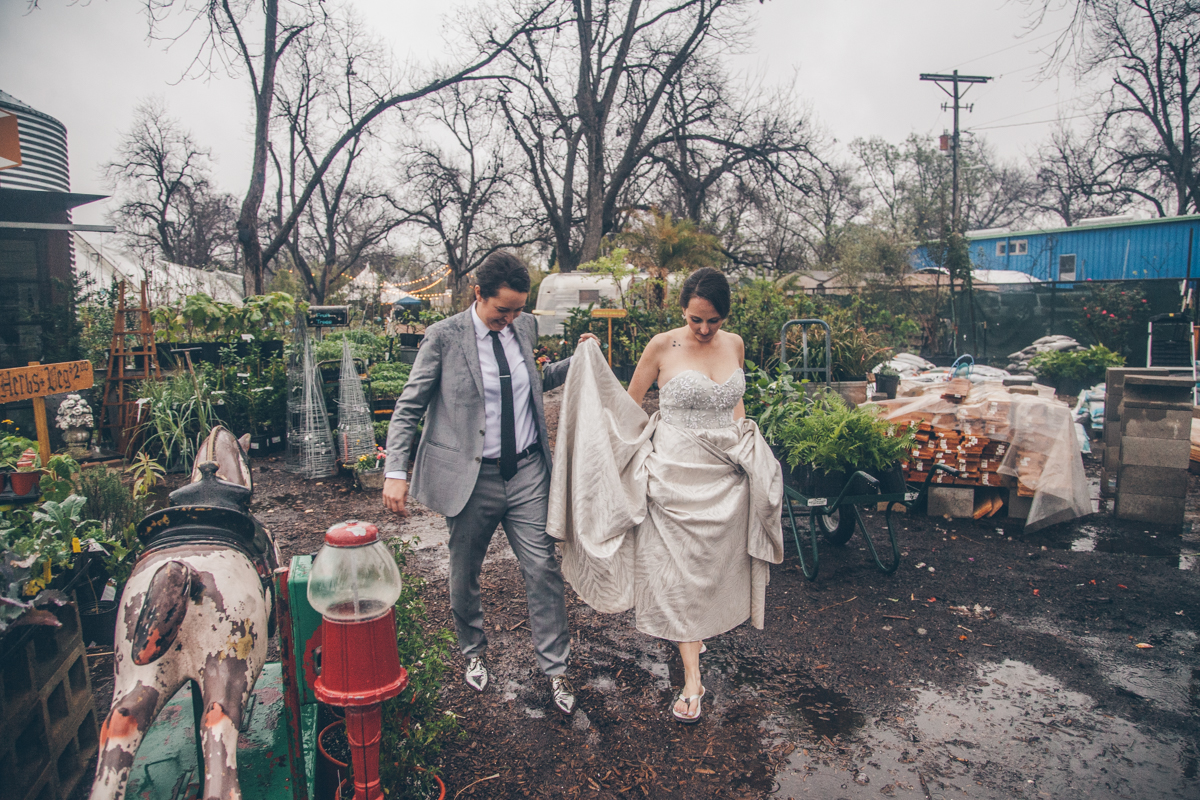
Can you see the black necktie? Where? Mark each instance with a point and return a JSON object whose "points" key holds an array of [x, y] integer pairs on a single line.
{"points": [[508, 423]]}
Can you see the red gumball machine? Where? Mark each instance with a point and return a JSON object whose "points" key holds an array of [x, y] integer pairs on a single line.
{"points": [[353, 585]]}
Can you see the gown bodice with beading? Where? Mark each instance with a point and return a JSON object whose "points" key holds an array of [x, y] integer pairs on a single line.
{"points": [[695, 401]]}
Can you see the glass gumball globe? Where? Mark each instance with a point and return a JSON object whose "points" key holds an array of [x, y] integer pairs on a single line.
{"points": [[354, 577]]}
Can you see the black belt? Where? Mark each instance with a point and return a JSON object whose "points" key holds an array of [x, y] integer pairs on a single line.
{"points": [[521, 456]]}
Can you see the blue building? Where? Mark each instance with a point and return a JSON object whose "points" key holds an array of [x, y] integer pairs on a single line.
{"points": [[1112, 250]]}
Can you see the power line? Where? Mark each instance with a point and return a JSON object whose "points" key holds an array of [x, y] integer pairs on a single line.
{"points": [[1010, 47], [1023, 124], [1018, 114]]}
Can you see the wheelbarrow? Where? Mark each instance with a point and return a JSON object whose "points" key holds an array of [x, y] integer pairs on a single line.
{"points": [[830, 516]]}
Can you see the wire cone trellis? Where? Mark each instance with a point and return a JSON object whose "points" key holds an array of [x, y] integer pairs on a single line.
{"points": [[310, 443], [356, 434]]}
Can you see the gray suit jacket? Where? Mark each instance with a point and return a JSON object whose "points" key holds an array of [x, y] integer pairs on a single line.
{"points": [[446, 385]]}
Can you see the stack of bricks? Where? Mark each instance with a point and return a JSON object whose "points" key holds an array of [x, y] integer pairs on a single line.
{"points": [[1155, 424]]}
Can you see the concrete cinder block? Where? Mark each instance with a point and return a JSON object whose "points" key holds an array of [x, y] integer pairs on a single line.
{"points": [[951, 501], [1164, 388], [1018, 507], [1156, 423], [1112, 458], [1165, 511], [1142, 452], [1112, 434], [1161, 481]]}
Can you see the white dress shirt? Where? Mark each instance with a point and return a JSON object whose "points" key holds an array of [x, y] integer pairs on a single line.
{"points": [[526, 427]]}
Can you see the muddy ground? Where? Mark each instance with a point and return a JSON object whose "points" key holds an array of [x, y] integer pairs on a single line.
{"points": [[860, 685]]}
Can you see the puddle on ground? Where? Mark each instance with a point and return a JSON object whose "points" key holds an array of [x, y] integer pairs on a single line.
{"points": [[804, 707], [1165, 680], [1014, 733], [1176, 548]]}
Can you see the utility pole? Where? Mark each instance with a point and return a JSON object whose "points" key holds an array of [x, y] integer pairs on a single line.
{"points": [[954, 79]]}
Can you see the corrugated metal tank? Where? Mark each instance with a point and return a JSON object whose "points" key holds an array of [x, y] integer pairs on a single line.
{"points": [[44, 164]]}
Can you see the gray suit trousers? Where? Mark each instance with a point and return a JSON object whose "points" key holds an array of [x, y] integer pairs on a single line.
{"points": [[519, 505]]}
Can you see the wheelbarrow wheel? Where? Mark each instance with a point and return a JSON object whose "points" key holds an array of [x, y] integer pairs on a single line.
{"points": [[837, 526]]}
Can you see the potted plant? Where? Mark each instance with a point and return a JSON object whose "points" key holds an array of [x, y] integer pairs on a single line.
{"points": [[887, 381], [368, 470], [825, 441], [18, 461], [1072, 372]]}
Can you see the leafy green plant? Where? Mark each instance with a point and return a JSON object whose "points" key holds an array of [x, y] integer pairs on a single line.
{"points": [[146, 472], [109, 501], [16, 611], [177, 414], [251, 391], [201, 317], [1079, 365], [57, 482], [770, 400], [388, 378], [757, 313], [834, 437], [1113, 314], [366, 343], [11, 450], [381, 432]]}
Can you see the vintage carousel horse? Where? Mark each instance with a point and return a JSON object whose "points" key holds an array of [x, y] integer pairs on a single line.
{"points": [[198, 607]]}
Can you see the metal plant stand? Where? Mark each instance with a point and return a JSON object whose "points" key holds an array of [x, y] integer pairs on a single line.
{"points": [[356, 432], [310, 442]]}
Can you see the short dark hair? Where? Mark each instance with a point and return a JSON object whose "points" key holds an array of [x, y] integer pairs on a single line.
{"points": [[501, 269], [708, 284]]}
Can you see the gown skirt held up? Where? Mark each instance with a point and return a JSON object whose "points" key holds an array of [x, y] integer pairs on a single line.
{"points": [[676, 515]]}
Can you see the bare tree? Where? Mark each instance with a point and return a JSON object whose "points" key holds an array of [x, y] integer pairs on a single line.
{"points": [[349, 215], [715, 130], [1073, 180], [1151, 115], [169, 208], [583, 102], [251, 37], [464, 196]]}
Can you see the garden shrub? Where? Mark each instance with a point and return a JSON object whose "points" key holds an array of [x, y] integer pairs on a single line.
{"points": [[1078, 365]]}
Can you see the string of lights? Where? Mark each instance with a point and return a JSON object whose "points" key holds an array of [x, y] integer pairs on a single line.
{"points": [[430, 280]]}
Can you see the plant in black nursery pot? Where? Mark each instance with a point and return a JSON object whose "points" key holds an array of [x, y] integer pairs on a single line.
{"points": [[827, 441]]}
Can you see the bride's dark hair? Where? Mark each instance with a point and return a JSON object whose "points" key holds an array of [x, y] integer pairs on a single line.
{"points": [[708, 284]]}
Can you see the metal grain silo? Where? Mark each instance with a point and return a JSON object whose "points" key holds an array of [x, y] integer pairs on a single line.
{"points": [[43, 140]]}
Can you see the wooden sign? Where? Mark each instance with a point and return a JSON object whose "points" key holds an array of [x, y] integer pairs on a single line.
{"points": [[26, 383], [38, 380], [609, 313]]}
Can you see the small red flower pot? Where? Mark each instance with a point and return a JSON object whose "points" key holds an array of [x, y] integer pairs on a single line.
{"points": [[24, 483]]}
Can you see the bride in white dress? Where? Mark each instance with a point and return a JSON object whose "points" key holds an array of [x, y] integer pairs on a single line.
{"points": [[676, 515]]}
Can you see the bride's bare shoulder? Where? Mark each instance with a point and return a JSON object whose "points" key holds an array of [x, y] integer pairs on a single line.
{"points": [[663, 340]]}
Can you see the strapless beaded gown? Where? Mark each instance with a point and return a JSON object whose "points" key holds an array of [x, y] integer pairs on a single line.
{"points": [[674, 515]]}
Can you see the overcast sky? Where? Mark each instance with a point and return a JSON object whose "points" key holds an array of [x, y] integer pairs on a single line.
{"points": [[855, 63]]}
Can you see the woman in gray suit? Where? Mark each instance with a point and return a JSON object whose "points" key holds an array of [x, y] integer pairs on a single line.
{"points": [[484, 460]]}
